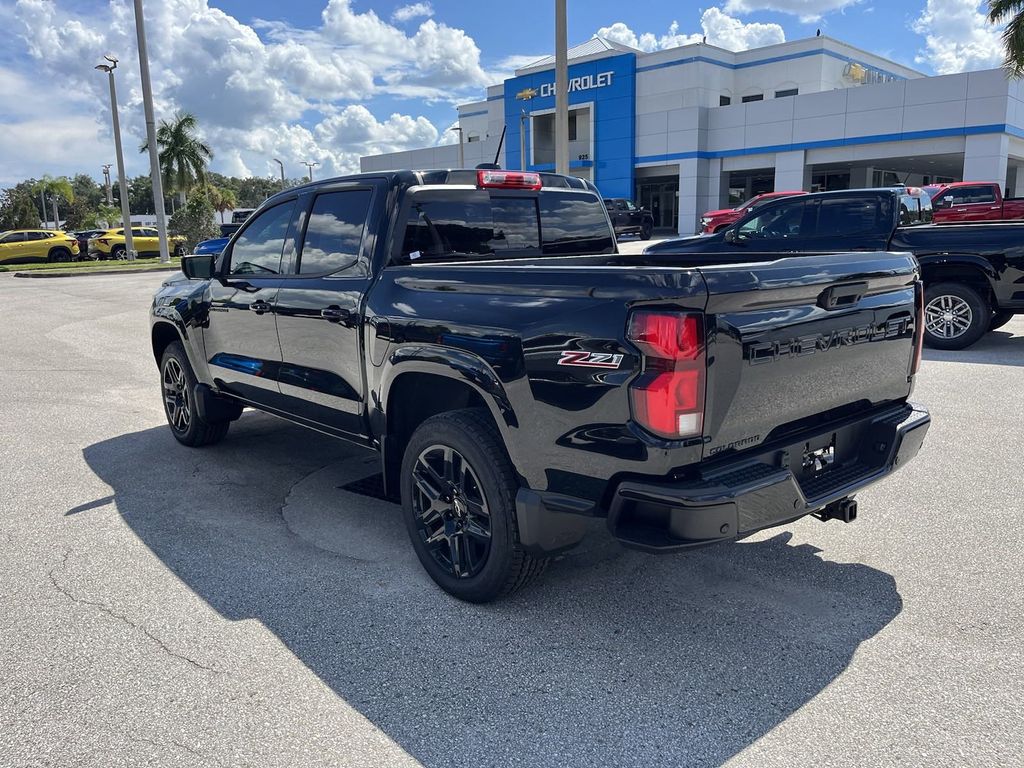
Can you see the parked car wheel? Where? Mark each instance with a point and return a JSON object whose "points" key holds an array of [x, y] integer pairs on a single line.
{"points": [[59, 255], [999, 319], [645, 231], [178, 384], [458, 500], [117, 252], [955, 316], [179, 250]]}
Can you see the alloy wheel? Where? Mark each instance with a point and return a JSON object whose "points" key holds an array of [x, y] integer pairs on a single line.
{"points": [[948, 316], [451, 512], [177, 401]]}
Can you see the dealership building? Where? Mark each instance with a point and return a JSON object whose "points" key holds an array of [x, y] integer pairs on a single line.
{"points": [[696, 128]]}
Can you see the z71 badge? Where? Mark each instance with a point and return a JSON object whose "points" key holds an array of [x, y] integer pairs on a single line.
{"points": [[590, 359]]}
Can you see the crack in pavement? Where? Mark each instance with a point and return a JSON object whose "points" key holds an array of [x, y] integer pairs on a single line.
{"points": [[103, 607]]}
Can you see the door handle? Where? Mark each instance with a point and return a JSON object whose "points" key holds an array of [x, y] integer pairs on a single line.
{"points": [[260, 306], [335, 314]]}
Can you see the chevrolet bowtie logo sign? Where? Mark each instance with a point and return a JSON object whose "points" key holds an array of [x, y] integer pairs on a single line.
{"points": [[526, 94]]}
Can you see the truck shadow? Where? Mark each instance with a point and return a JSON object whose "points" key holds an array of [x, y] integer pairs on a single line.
{"points": [[996, 348], [616, 658]]}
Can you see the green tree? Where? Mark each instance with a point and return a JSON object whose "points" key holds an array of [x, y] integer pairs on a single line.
{"points": [[195, 219], [17, 209], [89, 195], [55, 190], [255, 189], [183, 156], [1012, 13], [223, 200]]}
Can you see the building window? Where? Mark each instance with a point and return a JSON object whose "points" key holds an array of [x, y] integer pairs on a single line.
{"points": [[787, 92], [724, 101], [472, 137], [572, 126], [755, 97]]}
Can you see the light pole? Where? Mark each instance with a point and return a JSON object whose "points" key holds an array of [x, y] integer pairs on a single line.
{"points": [[311, 166], [154, 157], [523, 119], [126, 214], [282, 171], [561, 90], [106, 184], [458, 130]]}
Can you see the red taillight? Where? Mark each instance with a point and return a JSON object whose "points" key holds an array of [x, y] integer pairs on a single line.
{"points": [[915, 365], [507, 180], [668, 397]]}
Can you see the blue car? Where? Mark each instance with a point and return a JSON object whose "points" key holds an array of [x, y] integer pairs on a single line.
{"points": [[215, 246]]}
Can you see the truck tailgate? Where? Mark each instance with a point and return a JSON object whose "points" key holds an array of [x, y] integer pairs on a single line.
{"points": [[803, 340]]}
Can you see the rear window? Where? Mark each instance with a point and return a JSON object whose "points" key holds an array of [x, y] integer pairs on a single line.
{"points": [[476, 224]]}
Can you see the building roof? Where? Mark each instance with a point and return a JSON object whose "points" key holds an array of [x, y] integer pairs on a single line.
{"points": [[594, 46]]}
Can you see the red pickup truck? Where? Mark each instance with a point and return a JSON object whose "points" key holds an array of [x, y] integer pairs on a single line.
{"points": [[712, 221], [971, 201]]}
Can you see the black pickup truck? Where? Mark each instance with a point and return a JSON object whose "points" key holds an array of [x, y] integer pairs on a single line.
{"points": [[513, 387], [973, 273], [628, 218]]}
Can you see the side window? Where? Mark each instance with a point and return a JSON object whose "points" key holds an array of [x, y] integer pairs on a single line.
{"points": [[785, 220], [620, 205], [15, 237], [36, 236], [139, 232], [969, 195], [335, 231], [257, 251]]}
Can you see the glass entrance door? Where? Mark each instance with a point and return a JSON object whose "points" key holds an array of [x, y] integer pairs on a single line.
{"points": [[659, 196]]}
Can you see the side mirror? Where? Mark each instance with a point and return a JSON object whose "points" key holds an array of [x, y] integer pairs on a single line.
{"points": [[730, 236], [198, 267]]}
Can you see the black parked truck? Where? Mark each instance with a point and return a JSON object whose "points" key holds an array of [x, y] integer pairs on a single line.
{"points": [[517, 376], [628, 218], [973, 273]]}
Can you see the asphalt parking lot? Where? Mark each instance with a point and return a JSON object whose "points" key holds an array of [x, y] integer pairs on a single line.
{"points": [[234, 606]]}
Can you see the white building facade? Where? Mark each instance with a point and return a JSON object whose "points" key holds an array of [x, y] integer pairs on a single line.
{"points": [[696, 128]]}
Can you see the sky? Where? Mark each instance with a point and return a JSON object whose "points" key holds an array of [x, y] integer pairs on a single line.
{"points": [[332, 80]]}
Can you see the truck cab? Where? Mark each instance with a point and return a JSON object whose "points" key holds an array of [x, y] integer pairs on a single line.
{"points": [[965, 202]]}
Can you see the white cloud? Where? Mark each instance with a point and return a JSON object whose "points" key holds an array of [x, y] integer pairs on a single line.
{"points": [[260, 91], [412, 11], [806, 10], [721, 30], [958, 37]]}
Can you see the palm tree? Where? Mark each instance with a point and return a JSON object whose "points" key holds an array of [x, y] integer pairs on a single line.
{"points": [[54, 188], [183, 157], [1013, 35], [223, 200]]}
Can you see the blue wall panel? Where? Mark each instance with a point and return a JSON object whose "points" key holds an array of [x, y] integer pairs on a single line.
{"points": [[614, 118]]}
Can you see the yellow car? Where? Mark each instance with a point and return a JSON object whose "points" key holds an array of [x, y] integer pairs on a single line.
{"points": [[145, 240], [27, 245]]}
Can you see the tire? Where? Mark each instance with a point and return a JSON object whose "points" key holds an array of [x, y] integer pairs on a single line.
{"points": [[177, 384], [458, 500], [59, 255], [999, 319], [179, 251], [117, 252], [645, 231], [956, 316]]}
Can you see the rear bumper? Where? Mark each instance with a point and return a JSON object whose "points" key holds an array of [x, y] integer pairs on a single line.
{"points": [[734, 499]]}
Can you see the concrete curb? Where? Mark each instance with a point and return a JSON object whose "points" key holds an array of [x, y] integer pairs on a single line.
{"points": [[86, 272]]}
